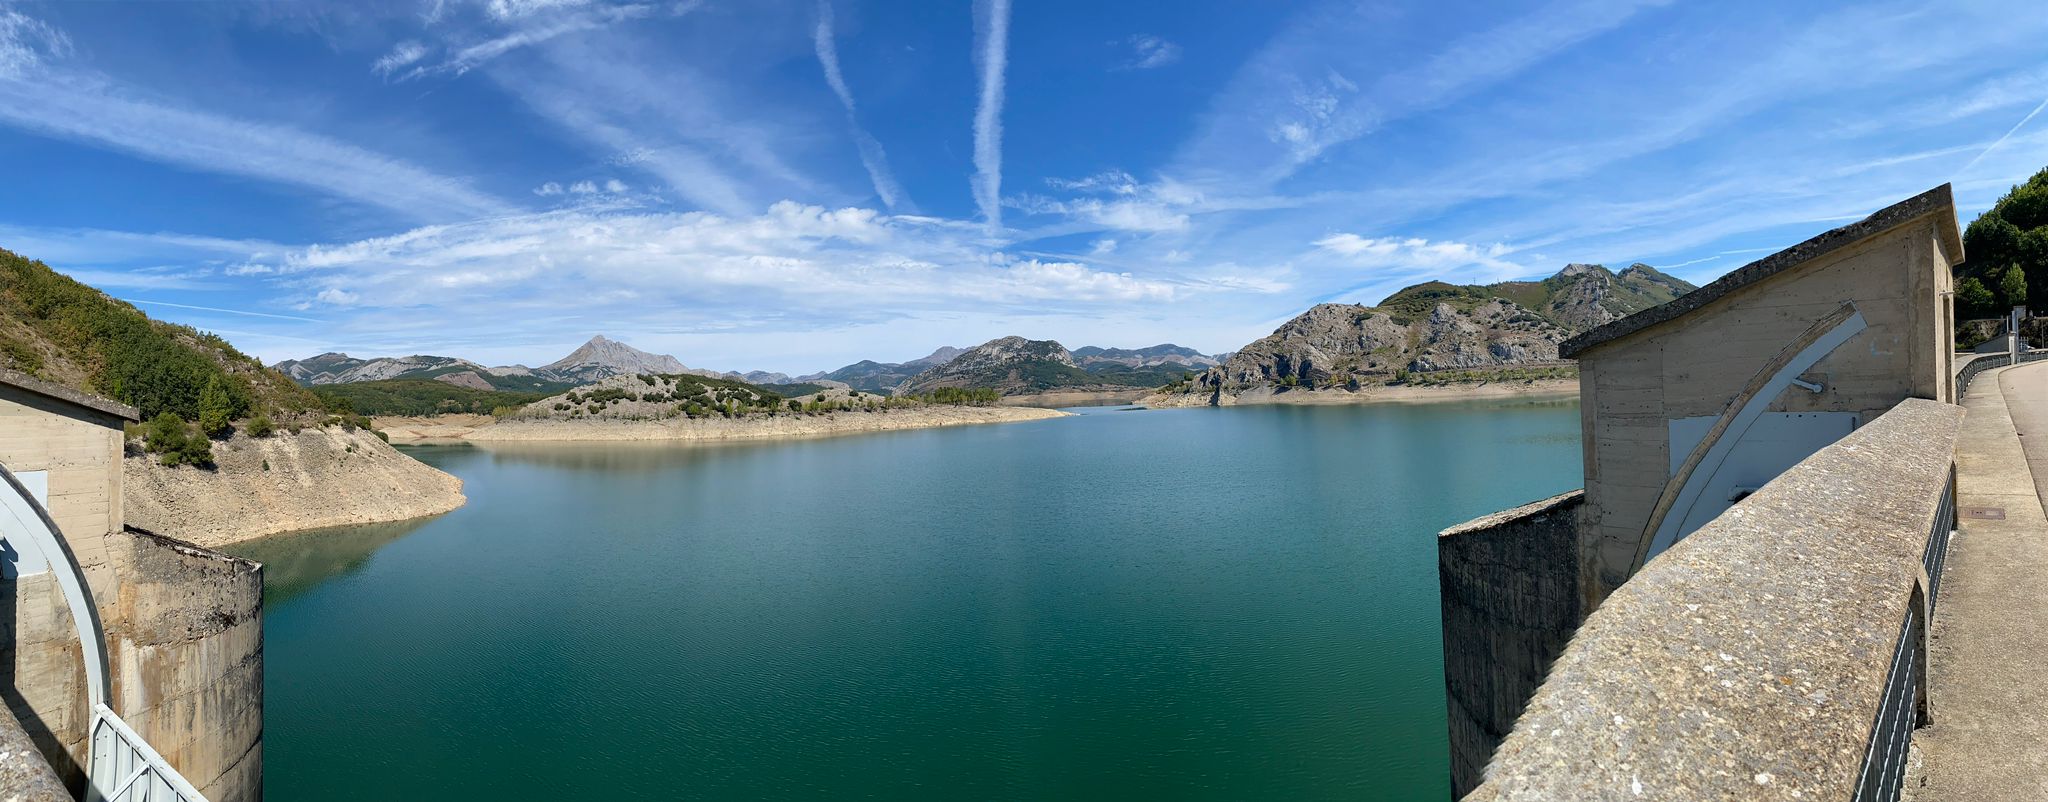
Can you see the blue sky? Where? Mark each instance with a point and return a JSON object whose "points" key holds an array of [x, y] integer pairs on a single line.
{"points": [[797, 185]]}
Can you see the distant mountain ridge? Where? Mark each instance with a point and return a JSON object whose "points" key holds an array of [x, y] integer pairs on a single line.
{"points": [[1436, 326], [602, 358], [1015, 366]]}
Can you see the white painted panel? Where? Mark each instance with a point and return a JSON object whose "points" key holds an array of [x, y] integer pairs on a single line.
{"points": [[1774, 443], [18, 555]]}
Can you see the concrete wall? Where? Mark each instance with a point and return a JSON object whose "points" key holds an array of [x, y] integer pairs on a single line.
{"points": [[186, 648], [184, 624], [1696, 365], [1751, 660], [1510, 597]]}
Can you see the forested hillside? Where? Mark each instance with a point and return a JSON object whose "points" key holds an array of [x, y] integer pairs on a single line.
{"points": [[59, 330]]}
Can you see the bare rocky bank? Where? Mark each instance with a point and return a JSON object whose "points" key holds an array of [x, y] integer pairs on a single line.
{"points": [[287, 482], [1368, 394], [477, 428]]}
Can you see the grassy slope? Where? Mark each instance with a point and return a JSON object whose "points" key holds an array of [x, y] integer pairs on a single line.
{"points": [[62, 331]]}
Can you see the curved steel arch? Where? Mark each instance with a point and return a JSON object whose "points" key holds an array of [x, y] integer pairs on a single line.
{"points": [[22, 517]]}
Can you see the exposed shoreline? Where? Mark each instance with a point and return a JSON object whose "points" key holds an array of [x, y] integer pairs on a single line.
{"points": [[284, 483], [482, 428], [1398, 394]]}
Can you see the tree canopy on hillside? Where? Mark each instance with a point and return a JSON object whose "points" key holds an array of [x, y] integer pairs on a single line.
{"points": [[2006, 249], [73, 334]]}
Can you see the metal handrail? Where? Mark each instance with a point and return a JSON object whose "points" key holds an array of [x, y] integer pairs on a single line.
{"points": [[122, 760]]}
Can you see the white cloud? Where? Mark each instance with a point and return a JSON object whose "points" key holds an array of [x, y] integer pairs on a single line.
{"points": [[992, 27], [872, 156], [1102, 247], [466, 57], [1148, 51], [1416, 253], [1293, 101], [405, 54], [614, 186], [548, 189], [96, 111], [515, 9], [1111, 181], [25, 42], [583, 188], [794, 259]]}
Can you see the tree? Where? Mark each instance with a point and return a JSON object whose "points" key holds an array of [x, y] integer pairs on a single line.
{"points": [[1973, 299], [166, 433], [216, 408], [175, 446], [2014, 231], [2014, 286]]}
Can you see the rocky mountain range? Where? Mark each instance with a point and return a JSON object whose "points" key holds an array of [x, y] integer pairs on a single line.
{"points": [[1435, 327], [1016, 366], [598, 359], [1163, 354], [1037, 365]]}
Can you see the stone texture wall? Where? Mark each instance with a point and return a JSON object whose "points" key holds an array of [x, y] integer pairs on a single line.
{"points": [[1511, 602], [186, 645], [1694, 366]]}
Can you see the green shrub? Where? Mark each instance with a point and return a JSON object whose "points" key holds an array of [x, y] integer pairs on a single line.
{"points": [[261, 426]]}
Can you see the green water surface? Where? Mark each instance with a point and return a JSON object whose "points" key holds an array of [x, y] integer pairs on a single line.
{"points": [[1221, 604]]}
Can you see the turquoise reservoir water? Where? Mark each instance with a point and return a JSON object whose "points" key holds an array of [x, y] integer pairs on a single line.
{"points": [[1220, 604]]}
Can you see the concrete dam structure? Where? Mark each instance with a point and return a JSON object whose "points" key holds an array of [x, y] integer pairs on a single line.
{"points": [[135, 662], [1741, 602]]}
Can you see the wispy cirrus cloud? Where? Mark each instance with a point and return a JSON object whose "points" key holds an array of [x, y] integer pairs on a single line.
{"points": [[25, 42], [793, 258], [525, 32], [872, 156], [1148, 52], [992, 30]]}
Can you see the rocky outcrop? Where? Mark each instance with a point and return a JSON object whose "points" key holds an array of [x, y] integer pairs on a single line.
{"points": [[261, 486], [1429, 328], [340, 368]]}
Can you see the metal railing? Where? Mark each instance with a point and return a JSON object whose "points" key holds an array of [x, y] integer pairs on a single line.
{"points": [[125, 768], [1884, 764], [1970, 369], [1905, 691]]}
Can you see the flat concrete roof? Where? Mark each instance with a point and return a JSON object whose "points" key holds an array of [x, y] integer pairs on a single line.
{"points": [[1932, 201], [59, 392]]}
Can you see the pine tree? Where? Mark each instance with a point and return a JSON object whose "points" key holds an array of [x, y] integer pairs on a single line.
{"points": [[216, 408]]}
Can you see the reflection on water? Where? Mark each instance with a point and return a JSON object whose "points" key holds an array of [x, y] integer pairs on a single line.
{"points": [[295, 562]]}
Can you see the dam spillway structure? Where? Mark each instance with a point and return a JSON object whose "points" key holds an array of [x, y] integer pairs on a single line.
{"points": [[134, 662], [1689, 409]]}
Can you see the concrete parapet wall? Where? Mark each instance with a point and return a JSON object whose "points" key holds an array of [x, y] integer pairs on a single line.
{"points": [[1750, 660], [1511, 601]]}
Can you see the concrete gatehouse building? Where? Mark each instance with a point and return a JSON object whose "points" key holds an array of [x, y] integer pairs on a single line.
{"points": [[134, 663], [1688, 409]]}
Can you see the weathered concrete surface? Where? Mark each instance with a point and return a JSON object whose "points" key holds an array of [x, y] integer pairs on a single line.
{"points": [[186, 643], [1989, 689], [1510, 601], [24, 775], [1748, 661]]}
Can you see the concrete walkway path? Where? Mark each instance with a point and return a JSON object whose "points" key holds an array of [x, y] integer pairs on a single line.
{"points": [[1989, 653]]}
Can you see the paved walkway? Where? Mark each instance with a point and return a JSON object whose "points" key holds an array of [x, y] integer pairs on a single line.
{"points": [[1989, 655]]}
